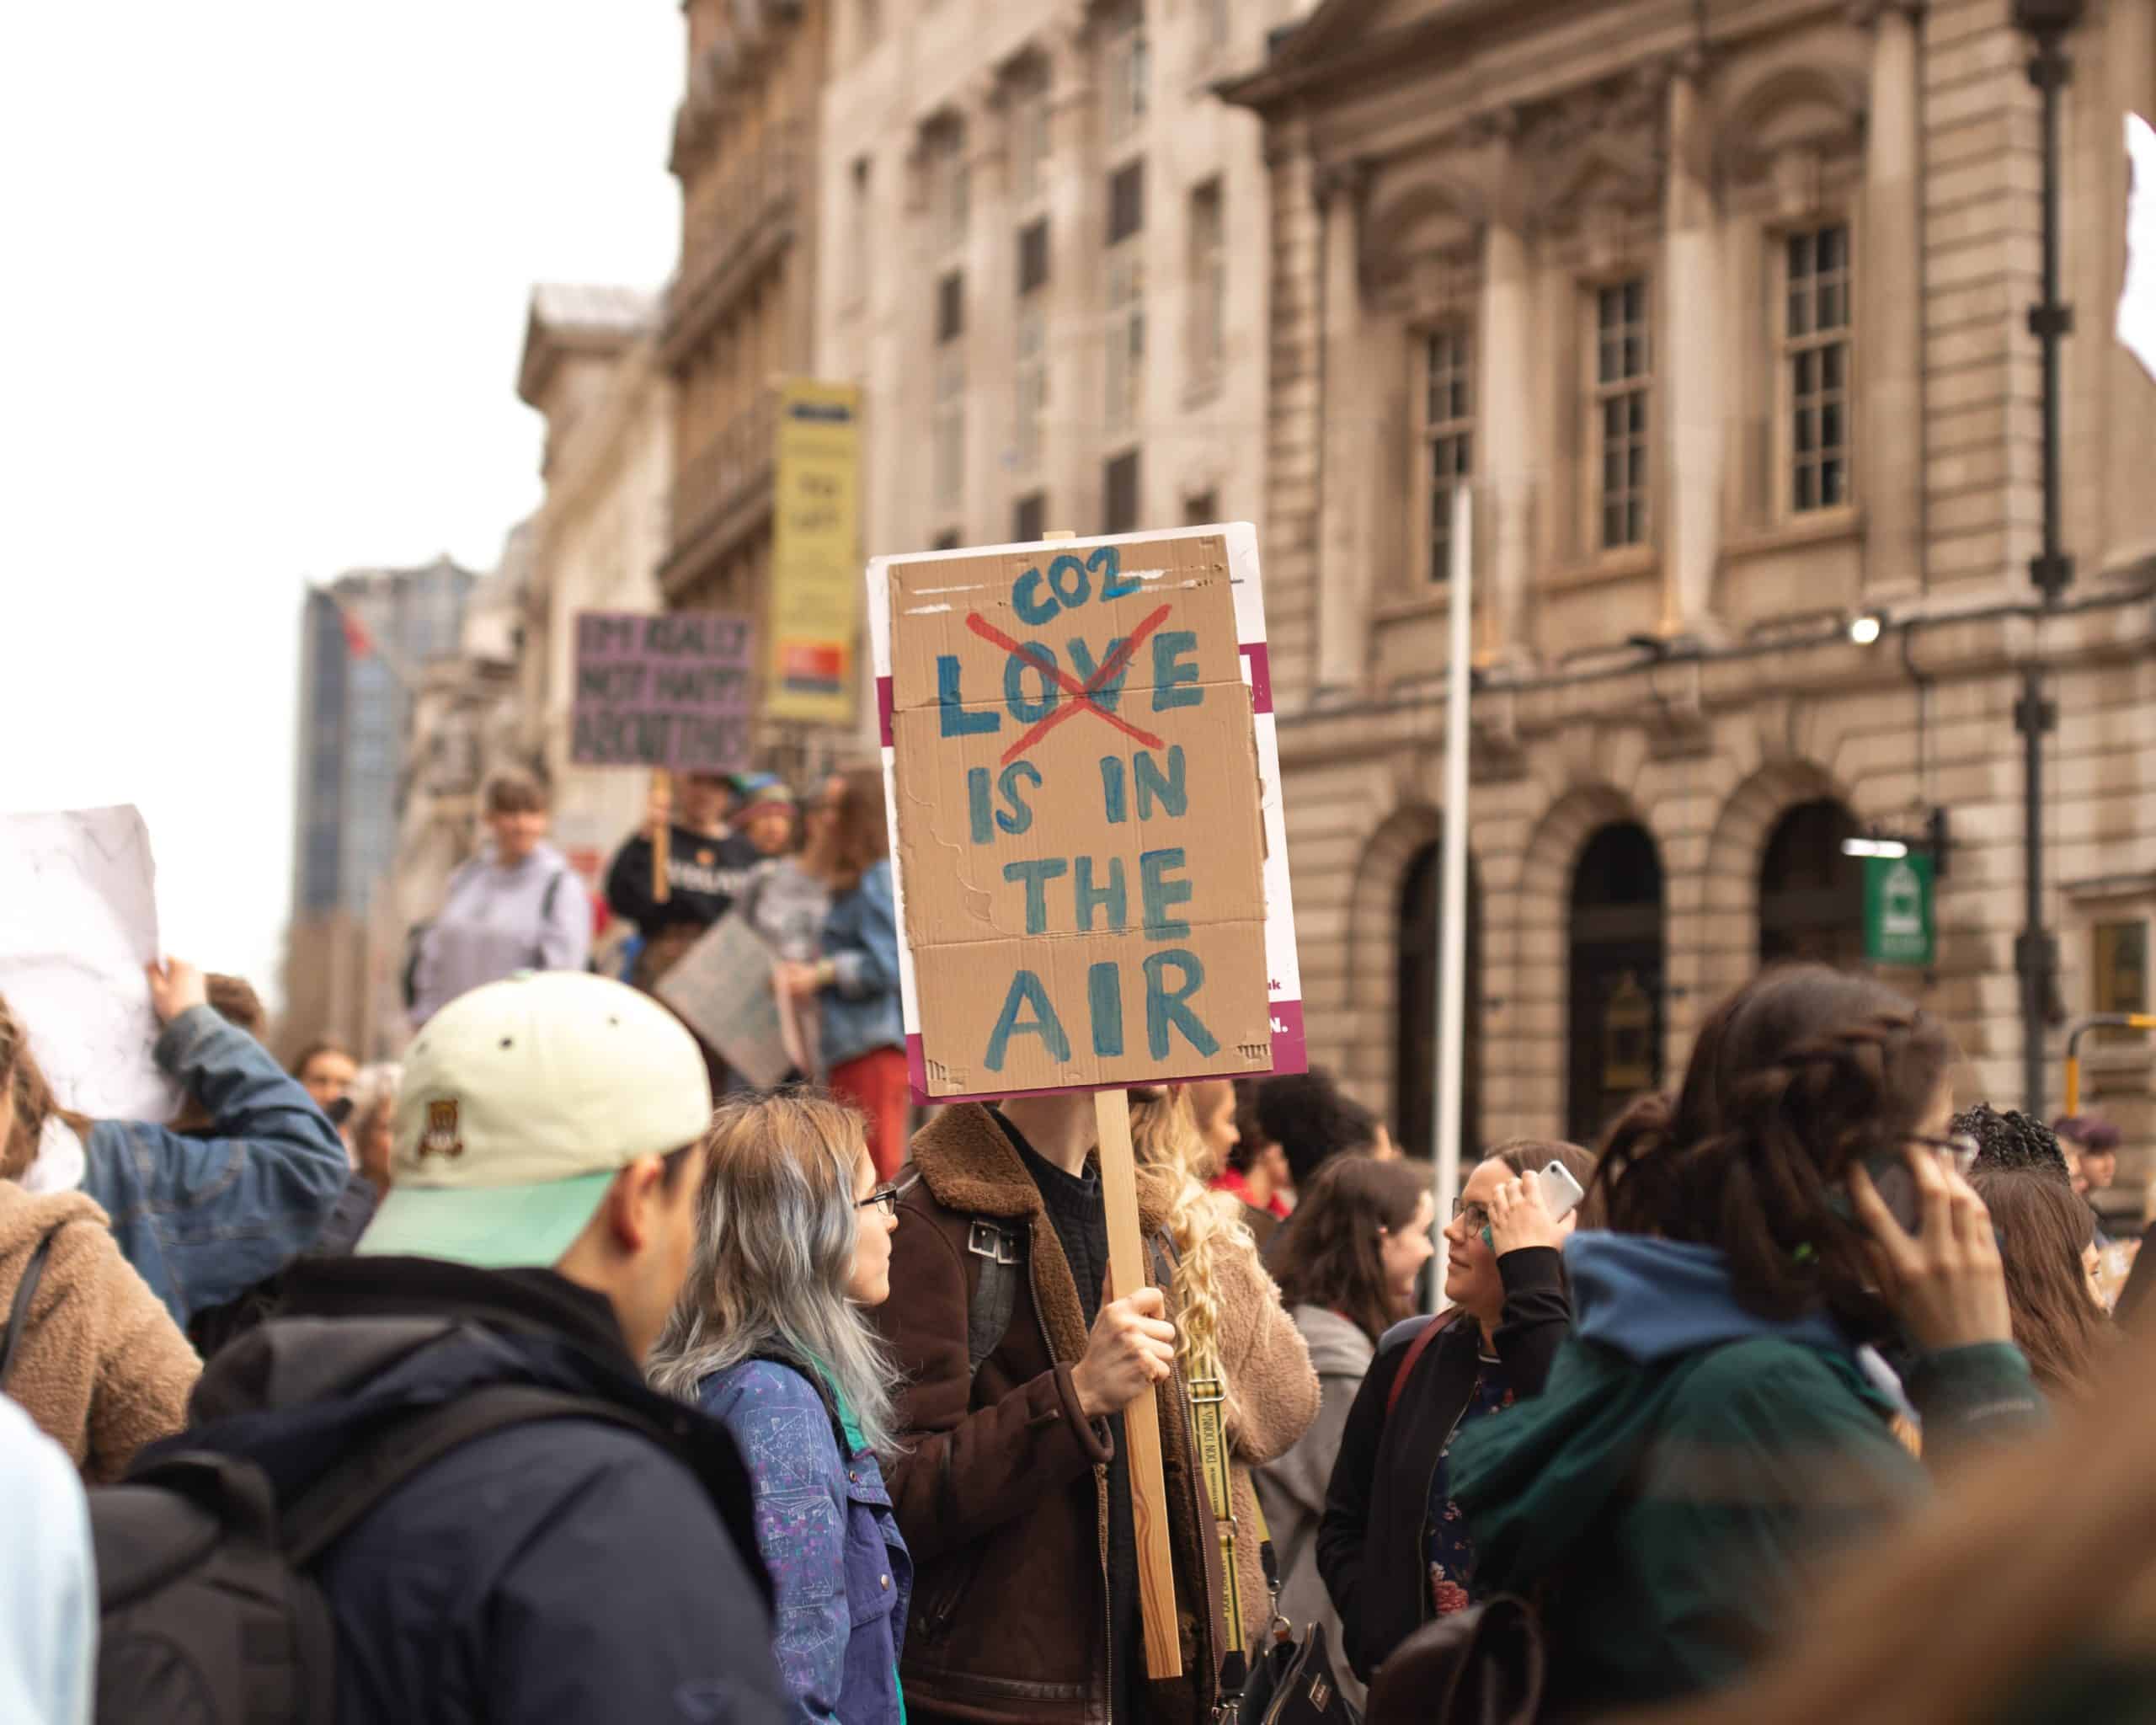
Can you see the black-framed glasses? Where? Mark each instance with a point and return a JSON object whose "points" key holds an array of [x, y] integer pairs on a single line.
{"points": [[1477, 1216], [887, 1196]]}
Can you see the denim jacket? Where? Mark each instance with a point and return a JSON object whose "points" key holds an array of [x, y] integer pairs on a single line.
{"points": [[861, 938], [828, 1536], [204, 1219]]}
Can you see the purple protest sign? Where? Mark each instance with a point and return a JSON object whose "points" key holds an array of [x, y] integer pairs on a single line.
{"points": [[674, 691]]}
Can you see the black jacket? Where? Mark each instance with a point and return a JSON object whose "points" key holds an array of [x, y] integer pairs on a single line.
{"points": [[1370, 1538], [704, 876], [561, 1571]]}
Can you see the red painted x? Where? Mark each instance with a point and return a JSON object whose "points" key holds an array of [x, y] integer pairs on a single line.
{"points": [[1082, 694]]}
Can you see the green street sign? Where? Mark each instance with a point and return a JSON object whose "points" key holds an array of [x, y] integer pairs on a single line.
{"points": [[1898, 924]]}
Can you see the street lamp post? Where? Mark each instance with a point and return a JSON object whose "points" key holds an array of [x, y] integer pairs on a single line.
{"points": [[2036, 955]]}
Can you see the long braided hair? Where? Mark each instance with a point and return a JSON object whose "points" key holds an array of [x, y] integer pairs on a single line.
{"points": [[1801, 1072], [1203, 1224]]}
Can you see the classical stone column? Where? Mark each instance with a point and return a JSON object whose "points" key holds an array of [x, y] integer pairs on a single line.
{"points": [[1505, 418], [1890, 455], [990, 313], [1688, 354], [1353, 425], [1077, 390]]}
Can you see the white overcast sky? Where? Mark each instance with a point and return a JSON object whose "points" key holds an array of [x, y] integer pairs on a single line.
{"points": [[264, 267]]}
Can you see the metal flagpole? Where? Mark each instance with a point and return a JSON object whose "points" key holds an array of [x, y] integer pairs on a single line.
{"points": [[1452, 903]]}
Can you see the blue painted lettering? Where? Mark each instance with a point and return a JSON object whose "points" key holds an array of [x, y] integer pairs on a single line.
{"points": [[1159, 893], [1037, 872], [1174, 678], [1111, 898], [957, 721], [1164, 1008], [1104, 1003], [1040, 661], [1174, 794], [1020, 814], [1026, 990]]}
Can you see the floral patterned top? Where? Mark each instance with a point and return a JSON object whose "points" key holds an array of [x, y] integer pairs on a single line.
{"points": [[1445, 1544]]}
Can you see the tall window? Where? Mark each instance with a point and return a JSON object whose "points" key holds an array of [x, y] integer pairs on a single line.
{"points": [[948, 192], [948, 421], [1029, 140], [1030, 374], [1126, 260], [1447, 453], [1208, 286], [1125, 75], [1119, 489], [1816, 362], [1029, 517], [1623, 374]]}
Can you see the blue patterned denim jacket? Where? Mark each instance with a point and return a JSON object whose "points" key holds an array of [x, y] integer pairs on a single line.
{"points": [[830, 1539], [204, 1219], [861, 938]]}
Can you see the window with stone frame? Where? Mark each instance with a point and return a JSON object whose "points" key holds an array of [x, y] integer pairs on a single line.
{"points": [[1119, 493], [1815, 333], [1445, 450], [1031, 138], [1125, 71], [947, 415], [1029, 373], [1621, 394], [948, 188], [1029, 517], [1208, 287], [1126, 297]]}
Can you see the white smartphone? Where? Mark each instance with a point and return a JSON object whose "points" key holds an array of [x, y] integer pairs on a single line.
{"points": [[1560, 1193]]}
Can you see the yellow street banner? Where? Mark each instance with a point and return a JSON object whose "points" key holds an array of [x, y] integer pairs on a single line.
{"points": [[815, 592]]}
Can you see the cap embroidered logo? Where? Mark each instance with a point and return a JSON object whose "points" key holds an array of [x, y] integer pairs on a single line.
{"points": [[441, 1137]]}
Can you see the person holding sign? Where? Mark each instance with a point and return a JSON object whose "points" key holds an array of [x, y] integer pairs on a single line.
{"points": [[1012, 1488], [706, 866]]}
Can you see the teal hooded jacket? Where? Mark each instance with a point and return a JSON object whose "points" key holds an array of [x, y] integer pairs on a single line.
{"points": [[1686, 1458]]}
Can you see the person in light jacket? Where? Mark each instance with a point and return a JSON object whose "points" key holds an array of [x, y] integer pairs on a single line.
{"points": [[518, 905], [48, 1586], [793, 1245], [202, 1216], [855, 982]]}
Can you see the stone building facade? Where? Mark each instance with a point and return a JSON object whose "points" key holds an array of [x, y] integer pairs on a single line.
{"points": [[1042, 251], [591, 368], [1718, 310]]}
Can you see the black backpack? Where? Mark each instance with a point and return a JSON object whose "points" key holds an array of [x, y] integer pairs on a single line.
{"points": [[208, 1614]]}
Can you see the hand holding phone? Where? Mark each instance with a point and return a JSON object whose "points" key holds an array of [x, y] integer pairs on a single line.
{"points": [[1943, 1278], [1530, 1211]]}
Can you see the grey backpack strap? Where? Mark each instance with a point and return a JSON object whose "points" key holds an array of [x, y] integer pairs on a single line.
{"points": [[1002, 1250]]}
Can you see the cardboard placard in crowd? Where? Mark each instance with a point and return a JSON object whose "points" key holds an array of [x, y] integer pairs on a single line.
{"points": [[79, 922], [1088, 843], [672, 689], [724, 990]]}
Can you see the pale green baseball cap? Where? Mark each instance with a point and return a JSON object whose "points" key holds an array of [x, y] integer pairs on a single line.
{"points": [[520, 1102]]}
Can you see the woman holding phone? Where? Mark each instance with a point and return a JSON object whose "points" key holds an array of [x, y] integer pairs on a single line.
{"points": [[1390, 1544], [1722, 1414]]}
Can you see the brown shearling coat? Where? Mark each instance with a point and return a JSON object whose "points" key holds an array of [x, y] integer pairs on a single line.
{"points": [[1002, 1491], [102, 1368]]}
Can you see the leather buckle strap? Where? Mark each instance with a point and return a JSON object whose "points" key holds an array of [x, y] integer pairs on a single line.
{"points": [[986, 1240]]}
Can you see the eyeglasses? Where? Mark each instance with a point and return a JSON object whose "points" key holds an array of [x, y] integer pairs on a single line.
{"points": [[887, 1196], [1960, 1147], [1477, 1216]]}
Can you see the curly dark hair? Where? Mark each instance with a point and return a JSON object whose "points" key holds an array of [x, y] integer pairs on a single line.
{"points": [[2012, 1140], [1313, 1120], [1801, 1072]]}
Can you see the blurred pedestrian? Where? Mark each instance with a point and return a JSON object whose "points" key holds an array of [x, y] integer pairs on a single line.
{"points": [[48, 1586], [1394, 1547], [325, 1068], [2091, 1146], [1716, 1418], [201, 1218], [855, 982], [2051, 1265], [589, 1553], [371, 1127], [517, 905], [1252, 1170], [793, 1245], [1242, 1358], [765, 813], [1312, 1120], [707, 865], [92, 1355]]}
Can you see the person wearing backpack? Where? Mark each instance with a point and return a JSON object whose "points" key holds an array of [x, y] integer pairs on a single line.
{"points": [[88, 1351], [793, 1249], [205, 1215], [518, 905], [1391, 1544], [448, 1436]]}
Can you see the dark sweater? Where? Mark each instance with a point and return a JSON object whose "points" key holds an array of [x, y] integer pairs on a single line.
{"points": [[1080, 1217]]}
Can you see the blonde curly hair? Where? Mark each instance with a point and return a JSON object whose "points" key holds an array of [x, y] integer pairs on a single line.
{"points": [[1203, 1224]]}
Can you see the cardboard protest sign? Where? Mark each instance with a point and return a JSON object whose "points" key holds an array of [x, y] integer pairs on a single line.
{"points": [[79, 921], [723, 989], [1088, 846], [670, 691]]}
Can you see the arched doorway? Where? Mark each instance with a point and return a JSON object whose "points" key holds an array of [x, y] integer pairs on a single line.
{"points": [[1811, 892], [1415, 1088], [1615, 1008]]}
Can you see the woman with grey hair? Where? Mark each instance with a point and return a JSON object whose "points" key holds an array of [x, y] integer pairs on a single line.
{"points": [[793, 1243]]}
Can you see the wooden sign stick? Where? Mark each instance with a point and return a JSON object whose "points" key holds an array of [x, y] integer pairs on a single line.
{"points": [[1141, 1419], [662, 781]]}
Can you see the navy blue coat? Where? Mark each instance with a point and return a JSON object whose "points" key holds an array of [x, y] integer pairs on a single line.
{"points": [[563, 1570]]}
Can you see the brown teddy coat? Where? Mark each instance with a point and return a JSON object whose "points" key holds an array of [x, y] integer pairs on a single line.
{"points": [[101, 1367]]}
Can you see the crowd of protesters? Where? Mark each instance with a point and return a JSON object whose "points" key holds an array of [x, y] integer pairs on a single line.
{"points": [[559, 1374]]}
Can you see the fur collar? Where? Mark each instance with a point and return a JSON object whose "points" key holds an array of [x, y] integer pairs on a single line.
{"points": [[966, 1162]]}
